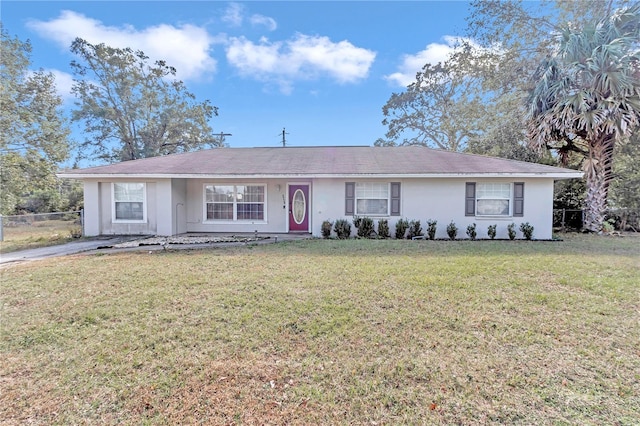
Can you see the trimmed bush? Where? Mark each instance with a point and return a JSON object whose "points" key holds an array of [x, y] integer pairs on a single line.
{"points": [[452, 230], [415, 229], [527, 230], [471, 231], [383, 228], [401, 228], [326, 229], [511, 230], [431, 229], [491, 231], [342, 228], [364, 226]]}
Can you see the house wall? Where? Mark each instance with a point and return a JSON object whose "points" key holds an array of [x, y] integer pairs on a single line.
{"points": [[98, 204], [177, 206], [92, 210], [442, 200], [276, 207]]}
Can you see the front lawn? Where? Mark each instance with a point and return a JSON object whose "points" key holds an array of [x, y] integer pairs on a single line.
{"points": [[327, 332]]}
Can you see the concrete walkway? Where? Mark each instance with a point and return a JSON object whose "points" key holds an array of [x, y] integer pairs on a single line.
{"points": [[120, 244]]}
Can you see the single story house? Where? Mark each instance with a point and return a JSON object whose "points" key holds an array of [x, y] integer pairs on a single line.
{"points": [[295, 189]]}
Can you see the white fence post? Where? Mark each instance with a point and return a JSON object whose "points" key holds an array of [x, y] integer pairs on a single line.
{"points": [[1, 229]]}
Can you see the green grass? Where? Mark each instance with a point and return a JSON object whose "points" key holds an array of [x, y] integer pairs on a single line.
{"points": [[327, 332], [39, 234]]}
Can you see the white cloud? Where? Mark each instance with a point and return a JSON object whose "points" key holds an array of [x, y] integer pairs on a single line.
{"points": [[233, 14], [301, 58], [261, 20], [412, 64], [185, 47]]}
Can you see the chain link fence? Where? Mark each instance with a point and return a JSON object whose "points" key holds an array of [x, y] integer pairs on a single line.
{"points": [[573, 220], [41, 225]]}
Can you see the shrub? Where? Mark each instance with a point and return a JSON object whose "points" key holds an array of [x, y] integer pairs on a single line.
{"points": [[383, 228], [471, 231], [326, 228], [491, 231], [364, 225], [511, 230], [342, 228], [527, 230], [75, 232], [415, 229], [452, 230], [431, 229], [608, 226], [401, 228]]}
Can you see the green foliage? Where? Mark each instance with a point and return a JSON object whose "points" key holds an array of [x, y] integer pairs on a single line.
{"points": [[364, 225], [437, 110], [401, 228], [625, 187], [588, 110], [123, 98], [608, 226], [452, 230], [527, 230], [471, 231], [326, 228], [33, 131], [431, 228], [569, 194], [491, 231], [342, 228], [383, 228], [415, 229], [511, 231]]}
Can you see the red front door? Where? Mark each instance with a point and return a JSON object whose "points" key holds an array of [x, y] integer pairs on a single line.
{"points": [[299, 208]]}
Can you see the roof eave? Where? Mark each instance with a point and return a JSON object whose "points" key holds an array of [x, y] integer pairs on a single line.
{"points": [[555, 175]]}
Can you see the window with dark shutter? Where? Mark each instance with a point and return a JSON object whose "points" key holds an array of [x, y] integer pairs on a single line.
{"points": [[518, 199], [349, 198], [470, 199], [395, 199]]}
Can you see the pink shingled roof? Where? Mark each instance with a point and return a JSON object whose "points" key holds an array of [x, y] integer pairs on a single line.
{"points": [[325, 161]]}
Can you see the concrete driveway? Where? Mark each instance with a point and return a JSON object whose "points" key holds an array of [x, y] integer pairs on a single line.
{"points": [[58, 250]]}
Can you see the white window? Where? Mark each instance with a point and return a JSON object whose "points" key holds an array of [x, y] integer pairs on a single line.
{"points": [[129, 202], [372, 198], [493, 199], [235, 202]]}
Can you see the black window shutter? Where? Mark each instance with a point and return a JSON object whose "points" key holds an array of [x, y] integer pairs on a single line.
{"points": [[395, 199], [518, 199], [349, 198], [470, 199]]}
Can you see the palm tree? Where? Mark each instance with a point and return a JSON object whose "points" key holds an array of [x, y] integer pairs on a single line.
{"points": [[586, 99]]}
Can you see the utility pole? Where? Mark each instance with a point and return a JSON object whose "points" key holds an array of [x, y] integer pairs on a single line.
{"points": [[284, 140], [222, 135]]}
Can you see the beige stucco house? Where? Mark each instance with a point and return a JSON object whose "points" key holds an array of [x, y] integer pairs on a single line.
{"points": [[294, 189]]}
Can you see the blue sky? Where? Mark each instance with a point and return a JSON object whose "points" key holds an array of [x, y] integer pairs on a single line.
{"points": [[322, 70]]}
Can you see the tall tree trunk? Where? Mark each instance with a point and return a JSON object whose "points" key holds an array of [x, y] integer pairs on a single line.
{"points": [[599, 174]]}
